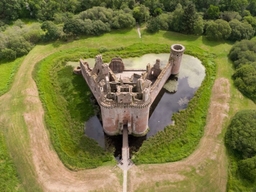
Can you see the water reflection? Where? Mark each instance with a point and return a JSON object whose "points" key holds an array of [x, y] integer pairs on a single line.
{"points": [[191, 75], [94, 130], [169, 104]]}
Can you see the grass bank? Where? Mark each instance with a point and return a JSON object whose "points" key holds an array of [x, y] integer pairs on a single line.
{"points": [[7, 72], [66, 133], [9, 180]]}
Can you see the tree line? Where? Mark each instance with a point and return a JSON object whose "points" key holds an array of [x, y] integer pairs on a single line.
{"points": [[61, 19], [241, 133], [50, 9], [243, 55]]}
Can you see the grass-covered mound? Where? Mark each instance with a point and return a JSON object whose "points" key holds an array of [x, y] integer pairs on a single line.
{"points": [[66, 101]]}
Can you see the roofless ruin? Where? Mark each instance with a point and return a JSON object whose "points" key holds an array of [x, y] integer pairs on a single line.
{"points": [[125, 96]]}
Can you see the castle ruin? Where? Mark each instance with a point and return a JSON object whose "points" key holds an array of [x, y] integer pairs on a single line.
{"points": [[125, 96]]}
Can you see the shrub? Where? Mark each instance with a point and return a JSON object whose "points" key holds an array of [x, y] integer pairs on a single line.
{"points": [[247, 168], [241, 133]]}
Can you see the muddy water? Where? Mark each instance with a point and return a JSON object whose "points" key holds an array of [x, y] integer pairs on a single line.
{"points": [[191, 75]]}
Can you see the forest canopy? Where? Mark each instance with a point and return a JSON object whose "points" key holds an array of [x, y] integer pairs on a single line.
{"points": [[69, 19]]}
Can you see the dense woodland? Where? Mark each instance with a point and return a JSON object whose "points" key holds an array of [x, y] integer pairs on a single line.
{"points": [[57, 19]]}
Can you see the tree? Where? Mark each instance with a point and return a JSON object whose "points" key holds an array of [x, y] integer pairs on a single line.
{"points": [[10, 9], [176, 19], [189, 19], [243, 55], [241, 133], [52, 31], [217, 30], [237, 52], [202, 5], [252, 7], [7, 54], [98, 27], [74, 27], [245, 81], [153, 25], [97, 13], [213, 12], [170, 6], [251, 20], [163, 21], [199, 26], [155, 7], [141, 13], [19, 45], [238, 5], [122, 20], [230, 15], [247, 168], [240, 30]]}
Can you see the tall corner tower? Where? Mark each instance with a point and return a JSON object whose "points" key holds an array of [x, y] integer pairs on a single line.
{"points": [[177, 51]]}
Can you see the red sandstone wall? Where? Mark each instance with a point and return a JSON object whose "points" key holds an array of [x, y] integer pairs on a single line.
{"points": [[135, 118]]}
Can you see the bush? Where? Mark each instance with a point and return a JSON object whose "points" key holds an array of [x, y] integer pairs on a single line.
{"points": [[241, 133], [247, 168], [153, 25], [245, 81], [240, 30], [7, 54], [217, 30]]}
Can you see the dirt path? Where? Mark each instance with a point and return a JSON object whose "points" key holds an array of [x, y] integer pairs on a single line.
{"points": [[209, 156], [54, 176]]}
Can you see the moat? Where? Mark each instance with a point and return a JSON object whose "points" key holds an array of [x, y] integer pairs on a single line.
{"points": [[191, 75]]}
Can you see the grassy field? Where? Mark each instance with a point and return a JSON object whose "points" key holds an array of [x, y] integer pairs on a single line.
{"points": [[17, 136]]}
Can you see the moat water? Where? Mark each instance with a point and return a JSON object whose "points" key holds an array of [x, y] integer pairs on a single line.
{"points": [[191, 75]]}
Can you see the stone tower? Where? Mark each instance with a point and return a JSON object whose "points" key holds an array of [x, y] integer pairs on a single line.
{"points": [[177, 51]]}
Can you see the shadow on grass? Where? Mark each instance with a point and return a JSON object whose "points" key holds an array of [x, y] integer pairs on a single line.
{"points": [[180, 37], [213, 43], [77, 94]]}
